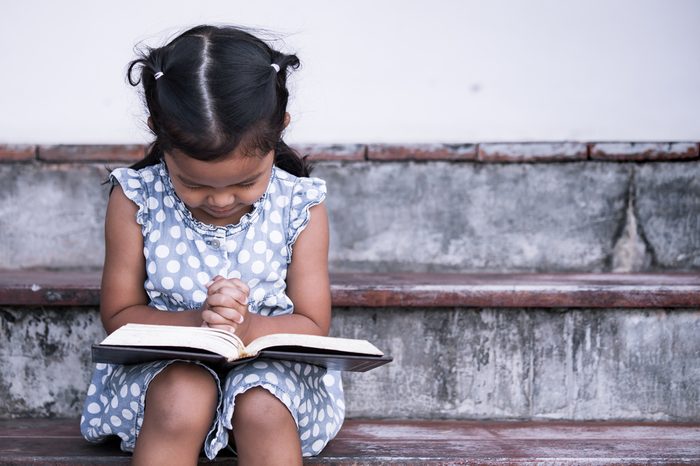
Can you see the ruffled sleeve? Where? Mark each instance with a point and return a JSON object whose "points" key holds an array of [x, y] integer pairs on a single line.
{"points": [[307, 192], [135, 188]]}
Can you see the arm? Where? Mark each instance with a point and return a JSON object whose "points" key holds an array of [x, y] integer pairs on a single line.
{"points": [[308, 287], [123, 298]]}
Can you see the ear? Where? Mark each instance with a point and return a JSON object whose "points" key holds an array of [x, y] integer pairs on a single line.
{"points": [[287, 119], [150, 123]]}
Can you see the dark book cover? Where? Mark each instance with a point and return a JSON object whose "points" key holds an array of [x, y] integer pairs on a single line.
{"points": [[333, 360]]}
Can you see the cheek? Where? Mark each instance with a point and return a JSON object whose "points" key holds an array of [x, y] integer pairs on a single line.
{"points": [[190, 198], [251, 196]]}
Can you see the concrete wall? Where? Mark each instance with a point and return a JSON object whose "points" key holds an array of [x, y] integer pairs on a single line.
{"points": [[449, 363], [409, 216]]}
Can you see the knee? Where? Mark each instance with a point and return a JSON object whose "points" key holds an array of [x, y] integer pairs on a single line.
{"points": [[259, 410], [181, 398]]}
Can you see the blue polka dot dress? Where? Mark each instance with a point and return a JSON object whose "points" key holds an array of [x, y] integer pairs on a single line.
{"points": [[182, 254]]}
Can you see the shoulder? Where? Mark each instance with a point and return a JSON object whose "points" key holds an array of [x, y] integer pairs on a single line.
{"points": [[143, 188], [121, 216], [299, 189], [294, 197], [145, 179]]}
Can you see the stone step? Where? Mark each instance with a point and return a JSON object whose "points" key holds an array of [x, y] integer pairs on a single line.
{"points": [[464, 346], [369, 442], [570, 346], [424, 214]]}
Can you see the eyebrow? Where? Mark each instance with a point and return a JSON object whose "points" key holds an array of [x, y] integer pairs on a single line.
{"points": [[246, 181]]}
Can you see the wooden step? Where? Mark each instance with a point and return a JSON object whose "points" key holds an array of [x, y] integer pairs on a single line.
{"points": [[363, 442], [559, 290]]}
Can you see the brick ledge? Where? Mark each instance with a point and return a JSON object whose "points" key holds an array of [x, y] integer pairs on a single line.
{"points": [[515, 152]]}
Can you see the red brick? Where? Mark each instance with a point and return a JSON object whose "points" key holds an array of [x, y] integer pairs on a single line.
{"points": [[17, 152], [641, 151], [532, 152], [91, 153], [386, 152], [341, 152]]}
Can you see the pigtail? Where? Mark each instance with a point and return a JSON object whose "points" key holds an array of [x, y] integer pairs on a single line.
{"points": [[291, 161], [285, 62], [151, 67], [154, 155], [286, 158]]}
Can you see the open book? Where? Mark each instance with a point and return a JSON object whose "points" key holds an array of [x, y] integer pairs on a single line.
{"points": [[138, 343]]}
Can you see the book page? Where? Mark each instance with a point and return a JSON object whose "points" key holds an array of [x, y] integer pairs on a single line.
{"points": [[209, 339], [311, 341]]}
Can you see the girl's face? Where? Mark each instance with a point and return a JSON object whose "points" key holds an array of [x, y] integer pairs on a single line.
{"points": [[222, 191]]}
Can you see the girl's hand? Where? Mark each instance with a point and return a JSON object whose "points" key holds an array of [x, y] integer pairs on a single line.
{"points": [[226, 306]]}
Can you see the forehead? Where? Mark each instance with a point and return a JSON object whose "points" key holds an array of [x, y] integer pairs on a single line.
{"points": [[223, 171]]}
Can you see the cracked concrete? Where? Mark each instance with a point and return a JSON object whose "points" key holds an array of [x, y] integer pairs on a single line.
{"points": [[409, 216], [631, 253], [449, 363]]}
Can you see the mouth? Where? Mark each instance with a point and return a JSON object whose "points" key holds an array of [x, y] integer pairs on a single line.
{"points": [[221, 212]]}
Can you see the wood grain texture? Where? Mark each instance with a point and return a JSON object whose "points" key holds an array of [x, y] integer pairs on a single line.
{"points": [[562, 290], [363, 442]]}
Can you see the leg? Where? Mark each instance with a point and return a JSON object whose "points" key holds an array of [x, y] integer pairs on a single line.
{"points": [[264, 430], [180, 406]]}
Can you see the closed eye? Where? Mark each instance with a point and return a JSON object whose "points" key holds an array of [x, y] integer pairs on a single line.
{"points": [[244, 186]]}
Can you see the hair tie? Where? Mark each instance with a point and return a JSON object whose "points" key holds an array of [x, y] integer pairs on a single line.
{"points": [[276, 67], [158, 75]]}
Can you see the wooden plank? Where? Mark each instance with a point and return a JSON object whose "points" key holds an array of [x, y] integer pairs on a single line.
{"points": [[518, 290], [562, 290], [58, 441]]}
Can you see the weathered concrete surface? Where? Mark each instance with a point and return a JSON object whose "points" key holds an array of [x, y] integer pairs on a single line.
{"points": [[411, 216], [667, 198], [52, 215], [449, 363], [45, 357], [464, 217], [491, 363]]}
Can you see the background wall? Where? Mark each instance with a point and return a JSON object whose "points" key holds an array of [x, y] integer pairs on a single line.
{"points": [[388, 71]]}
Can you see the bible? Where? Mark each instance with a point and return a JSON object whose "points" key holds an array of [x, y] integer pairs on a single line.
{"points": [[139, 343]]}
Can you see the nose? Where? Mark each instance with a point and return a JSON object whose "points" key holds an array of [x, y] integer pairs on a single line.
{"points": [[221, 200]]}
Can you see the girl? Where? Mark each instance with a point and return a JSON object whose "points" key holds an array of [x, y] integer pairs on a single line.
{"points": [[220, 226]]}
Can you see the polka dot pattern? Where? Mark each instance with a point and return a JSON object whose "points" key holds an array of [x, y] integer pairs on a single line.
{"points": [[182, 256]]}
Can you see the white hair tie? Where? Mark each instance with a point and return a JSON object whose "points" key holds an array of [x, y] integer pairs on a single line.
{"points": [[158, 75], [276, 67]]}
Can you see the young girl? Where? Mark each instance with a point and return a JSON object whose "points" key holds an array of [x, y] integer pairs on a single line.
{"points": [[218, 226]]}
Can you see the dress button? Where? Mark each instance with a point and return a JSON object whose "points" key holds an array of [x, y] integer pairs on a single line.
{"points": [[214, 243]]}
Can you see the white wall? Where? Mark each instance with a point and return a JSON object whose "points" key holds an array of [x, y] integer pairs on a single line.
{"points": [[377, 70]]}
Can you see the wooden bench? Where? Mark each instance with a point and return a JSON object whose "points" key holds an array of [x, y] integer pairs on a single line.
{"points": [[363, 442], [561, 290]]}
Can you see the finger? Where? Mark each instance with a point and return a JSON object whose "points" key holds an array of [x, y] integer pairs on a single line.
{"points": [[231, 314], [214, 317], [226, 328], [229, 283], [228, 308], [229, 297], [214, 280]]}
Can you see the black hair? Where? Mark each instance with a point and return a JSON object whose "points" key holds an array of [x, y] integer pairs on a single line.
{"points": [[213, 89]]}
